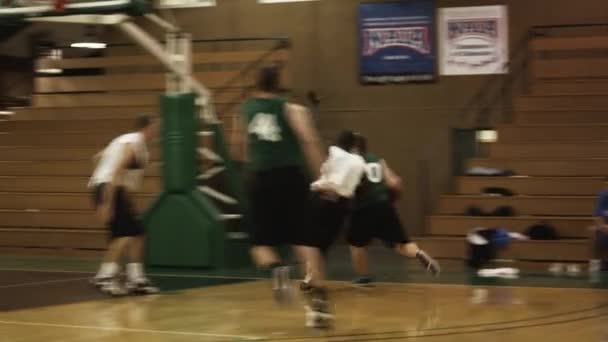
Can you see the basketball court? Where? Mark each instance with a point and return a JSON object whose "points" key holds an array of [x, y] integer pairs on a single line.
{"points": [[202, 299], [50, 299]]}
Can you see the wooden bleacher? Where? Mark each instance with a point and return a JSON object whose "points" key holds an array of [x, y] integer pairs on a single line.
{"points": [[558, 142], [46, 150]]}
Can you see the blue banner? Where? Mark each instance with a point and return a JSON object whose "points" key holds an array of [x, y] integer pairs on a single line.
{"points": [[397, 42]]}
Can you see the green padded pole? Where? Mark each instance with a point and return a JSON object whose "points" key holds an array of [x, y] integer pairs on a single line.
{"points": [[179, 136], [184, 228]]}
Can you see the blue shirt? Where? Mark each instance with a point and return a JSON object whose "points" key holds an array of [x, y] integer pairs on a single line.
{"points": [[601, 206]]}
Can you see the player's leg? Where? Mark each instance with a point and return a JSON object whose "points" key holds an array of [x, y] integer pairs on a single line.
{"points": [[136, 249], [107, 277], [392, 233], [110, 265], [127, 226], [310, 236], [265, 256], [311, 269], [360, 259], [411, 250], [318, 308], [327, 220], [314, 262], [137, 281], [268, 227], [359, 235]]}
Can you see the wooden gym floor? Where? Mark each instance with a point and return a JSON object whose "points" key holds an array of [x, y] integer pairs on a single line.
{"points": [[50, 300]]}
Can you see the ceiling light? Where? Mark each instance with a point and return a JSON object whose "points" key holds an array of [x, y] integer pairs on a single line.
{"points": [[50, 71], [89, 45]]}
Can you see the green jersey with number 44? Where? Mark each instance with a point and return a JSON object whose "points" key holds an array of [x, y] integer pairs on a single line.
{"points": [[373, 188], [272, 142]]}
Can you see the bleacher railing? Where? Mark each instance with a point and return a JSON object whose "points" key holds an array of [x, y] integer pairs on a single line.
{"points": [[493, 104]]}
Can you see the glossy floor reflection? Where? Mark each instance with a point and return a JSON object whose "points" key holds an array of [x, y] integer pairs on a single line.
{"points": [[50, 299], [245, 311]]}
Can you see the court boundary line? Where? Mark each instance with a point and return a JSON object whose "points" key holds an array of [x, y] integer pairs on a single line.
{"points": [[331, 281], [133, 330], [41, 283]]}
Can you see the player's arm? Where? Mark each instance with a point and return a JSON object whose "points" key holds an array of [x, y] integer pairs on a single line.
{"points": [[301, 122], [392, 180], [128, 153]]}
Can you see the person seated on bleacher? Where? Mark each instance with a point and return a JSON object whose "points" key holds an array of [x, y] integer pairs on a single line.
{"points": [[484, 245], [599, 235]]}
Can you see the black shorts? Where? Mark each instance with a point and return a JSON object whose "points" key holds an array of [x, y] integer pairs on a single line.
{"points": [[279, 207], [380, 221], [329, 217], [124, 221]]}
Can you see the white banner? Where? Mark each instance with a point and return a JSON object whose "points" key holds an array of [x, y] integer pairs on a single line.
{"points": [[473, 40]]}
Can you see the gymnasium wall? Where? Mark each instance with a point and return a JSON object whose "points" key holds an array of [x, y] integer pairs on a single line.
{"points": [[401, 121]]}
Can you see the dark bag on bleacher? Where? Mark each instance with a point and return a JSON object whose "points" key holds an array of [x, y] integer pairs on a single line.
{"points": [[542, 231], [504, 211], [498, 191], [474, 211]]}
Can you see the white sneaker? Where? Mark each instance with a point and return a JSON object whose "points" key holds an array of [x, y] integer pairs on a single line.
{"points": [[318, 319], [99, 282], [141, 286], [318, 311], [556, 269], [502, 272], [595, 266], [595, 269], [573, 270], [113, 288]]}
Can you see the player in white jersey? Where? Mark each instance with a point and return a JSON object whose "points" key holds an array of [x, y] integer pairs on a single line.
{"points": [[341, 173], [332, 193], [119, 172]]}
